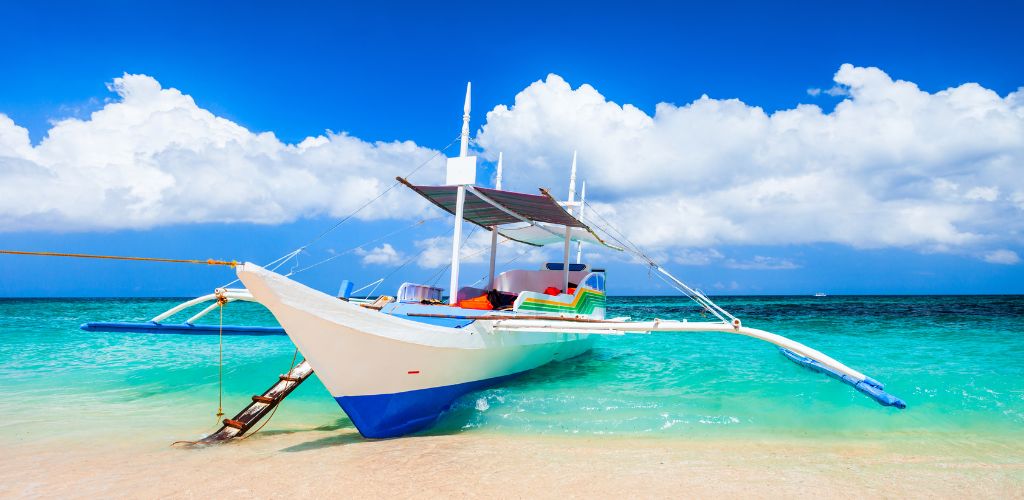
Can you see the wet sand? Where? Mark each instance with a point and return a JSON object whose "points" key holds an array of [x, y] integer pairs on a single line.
{"points": [[338, 462]]}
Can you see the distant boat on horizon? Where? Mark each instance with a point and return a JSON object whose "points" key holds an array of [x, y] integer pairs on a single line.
{"points": [[820, 294]]}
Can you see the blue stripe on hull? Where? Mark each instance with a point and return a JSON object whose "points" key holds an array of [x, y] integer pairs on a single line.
{"points": [[401, 413]]}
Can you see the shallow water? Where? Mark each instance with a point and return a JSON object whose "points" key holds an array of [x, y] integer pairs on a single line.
{"points": [[957, 361]]}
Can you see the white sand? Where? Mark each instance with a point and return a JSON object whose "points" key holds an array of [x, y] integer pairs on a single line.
{"points": [[338, 462]]}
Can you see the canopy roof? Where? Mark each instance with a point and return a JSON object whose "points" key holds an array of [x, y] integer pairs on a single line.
{"points": [[540, 235], [489, 208]]}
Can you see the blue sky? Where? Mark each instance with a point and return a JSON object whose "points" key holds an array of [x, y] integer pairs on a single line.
{"points": [[397, 72]]}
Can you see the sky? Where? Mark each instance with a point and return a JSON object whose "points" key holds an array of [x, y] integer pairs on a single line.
{"points": [[750, 147]]}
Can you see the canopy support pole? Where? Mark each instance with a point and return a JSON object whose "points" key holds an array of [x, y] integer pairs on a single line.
{"points": [[460, 201], [568, 230], [494, 230], [565, 259], [579, 243]]}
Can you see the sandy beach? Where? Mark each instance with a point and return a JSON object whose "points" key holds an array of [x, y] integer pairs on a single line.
{"points": [[339, 462]]}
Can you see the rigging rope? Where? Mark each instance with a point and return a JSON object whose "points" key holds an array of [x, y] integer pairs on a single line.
{"points": [[386, 236], [364, 287], [209, 262], [694, 295], [407, 262], [437, 277], [379, 196], [280, 261]]}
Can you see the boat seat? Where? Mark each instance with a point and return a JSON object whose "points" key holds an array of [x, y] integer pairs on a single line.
{"points": [[522, 280]]}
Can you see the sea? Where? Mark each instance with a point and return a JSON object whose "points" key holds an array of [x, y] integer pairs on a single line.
{"points": [[957, 361]]}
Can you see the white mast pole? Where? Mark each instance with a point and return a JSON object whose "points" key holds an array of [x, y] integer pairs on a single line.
{"points": [[494, 229], [568, 230], [464, 144], [460, 200], [579, 214]]}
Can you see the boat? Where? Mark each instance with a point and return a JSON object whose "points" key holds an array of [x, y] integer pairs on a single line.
{"points": [[820, 294], [397, 364]]}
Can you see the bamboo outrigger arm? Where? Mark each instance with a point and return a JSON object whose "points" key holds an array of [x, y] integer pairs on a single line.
{"points": [[157, 325], [793, 350], [231, 294]]}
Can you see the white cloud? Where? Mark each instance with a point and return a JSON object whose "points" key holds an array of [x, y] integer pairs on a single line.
{"points": [[385, 255], [696, 256], [1007, 257], [983, 194], [437, 252], [760, 262], [891, 166], [732, 285], [836, 91], [153, 157]]}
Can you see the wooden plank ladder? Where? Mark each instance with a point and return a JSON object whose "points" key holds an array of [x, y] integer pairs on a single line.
{"points": [[261, 405]]}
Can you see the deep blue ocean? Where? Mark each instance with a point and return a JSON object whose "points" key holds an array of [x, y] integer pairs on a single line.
{"points": [[958, 362]]}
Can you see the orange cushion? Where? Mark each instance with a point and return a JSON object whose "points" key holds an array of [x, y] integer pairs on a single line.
{"points": [[481, 303], [552, 290]]}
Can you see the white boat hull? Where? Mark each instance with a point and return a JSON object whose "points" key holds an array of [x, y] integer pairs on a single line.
{"points": [[393, 376]]}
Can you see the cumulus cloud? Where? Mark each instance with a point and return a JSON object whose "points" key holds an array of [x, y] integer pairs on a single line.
{"points": [[891, 166], [762, 263], [696, 256], [732, 285], [153, 157], [437, 252], [384, 255], [1003, 256], [834, 91]]}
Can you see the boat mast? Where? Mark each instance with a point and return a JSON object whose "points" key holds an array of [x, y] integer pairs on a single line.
{"points": [[579, 215], [568, 229], [460, 200], [494, 229]]}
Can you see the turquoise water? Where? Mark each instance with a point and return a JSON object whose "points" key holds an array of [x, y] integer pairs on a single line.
{"points": [[958, 362]]}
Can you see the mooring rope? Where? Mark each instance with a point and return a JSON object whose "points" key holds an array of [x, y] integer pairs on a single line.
{"points": [[209, 262]]}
